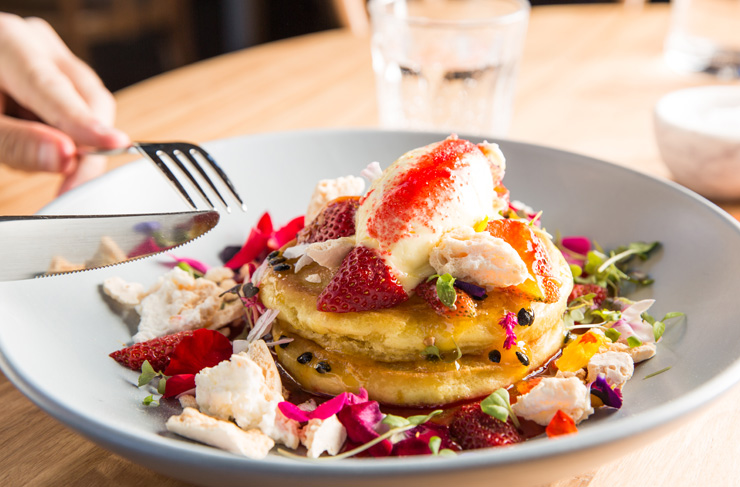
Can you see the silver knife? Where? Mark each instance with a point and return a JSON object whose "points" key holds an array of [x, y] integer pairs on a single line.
{"points": [[43, 245]]}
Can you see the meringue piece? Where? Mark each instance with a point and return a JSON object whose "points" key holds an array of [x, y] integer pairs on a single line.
{"points": [[478, 258], [552, 394], [330, 189], [330, 253], [617, 367], [221, 434], [128, 294], [323, 435]]}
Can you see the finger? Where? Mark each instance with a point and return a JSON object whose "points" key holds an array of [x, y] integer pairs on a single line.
{"points": [[31, 77], [87, 168], [85, 80], [34, 146]]}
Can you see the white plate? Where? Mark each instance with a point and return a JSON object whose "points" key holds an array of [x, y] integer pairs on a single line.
{"points": [[56, 333]]}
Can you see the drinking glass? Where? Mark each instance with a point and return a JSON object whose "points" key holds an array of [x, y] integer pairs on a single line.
{"points": [[447, 65], [705, 37]]}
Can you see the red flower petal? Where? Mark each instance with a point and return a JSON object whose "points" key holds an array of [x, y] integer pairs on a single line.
{"points": [[285, 234], [560, 424], [255, 244], [204, 348], [178, 384]]}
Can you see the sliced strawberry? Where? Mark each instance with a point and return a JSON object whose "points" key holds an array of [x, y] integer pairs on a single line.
{"points": [[337, 219], [474, 429], [157, 351], [521, 236], [464, 304], [583, 289], [363, 282]]}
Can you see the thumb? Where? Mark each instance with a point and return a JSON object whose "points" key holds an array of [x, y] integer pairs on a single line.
{"points": [[34, 146]]}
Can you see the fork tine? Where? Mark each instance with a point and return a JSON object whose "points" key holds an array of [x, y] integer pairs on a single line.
{"points": [[194, 149], [189, 154], [150, 152], [172, 153]]}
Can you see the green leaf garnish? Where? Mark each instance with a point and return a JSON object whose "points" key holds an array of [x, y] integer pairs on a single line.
{"points": [[395, 421], [434, 443], [576, 270], [633, 342], [162, 385], [498, 406], [612, 334], [147, 373], [431, 352], [149, 400], [446, 290]]}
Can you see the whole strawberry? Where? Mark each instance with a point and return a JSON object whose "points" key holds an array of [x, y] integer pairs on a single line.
{"points": [[363, 282], [157, 351], [336, 220], [583, 289], [474, 429], [464, 305]]}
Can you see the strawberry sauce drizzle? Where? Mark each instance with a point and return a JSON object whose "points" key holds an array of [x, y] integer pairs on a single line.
{"points": [[418, 192]]}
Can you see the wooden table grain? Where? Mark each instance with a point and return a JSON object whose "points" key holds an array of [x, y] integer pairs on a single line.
{"points": [[590, 77]]}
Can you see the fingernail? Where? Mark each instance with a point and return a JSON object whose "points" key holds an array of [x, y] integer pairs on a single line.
{"points": [[48, 157]]}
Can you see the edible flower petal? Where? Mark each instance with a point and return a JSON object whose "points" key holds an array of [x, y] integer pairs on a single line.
{"points": [[416, 441], [255, 244], [285, 234], [475, 292], [508, 322], [601, 389], [325, 410], [360, 421], [560, 424], [204, 348], [193, 263], [576, 248], [148, 246], [179, 384], [631, 323]]}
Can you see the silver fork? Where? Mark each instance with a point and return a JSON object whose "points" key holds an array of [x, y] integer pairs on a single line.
{"points": [[176, 152]]}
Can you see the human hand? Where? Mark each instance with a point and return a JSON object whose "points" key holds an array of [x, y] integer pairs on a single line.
{"points": [[51, 103]]}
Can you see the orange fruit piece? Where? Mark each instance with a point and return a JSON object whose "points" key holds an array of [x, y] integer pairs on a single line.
{"points": [[561, 424], [543, 286]]}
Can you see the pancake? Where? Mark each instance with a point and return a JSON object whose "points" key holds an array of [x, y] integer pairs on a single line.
{"points": [[383, 350]]}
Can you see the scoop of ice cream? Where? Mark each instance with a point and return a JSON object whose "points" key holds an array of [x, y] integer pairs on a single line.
{"points": [[424, 194]]}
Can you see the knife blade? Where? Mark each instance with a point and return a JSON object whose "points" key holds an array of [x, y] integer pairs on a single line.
{"points": [[44, 245]]}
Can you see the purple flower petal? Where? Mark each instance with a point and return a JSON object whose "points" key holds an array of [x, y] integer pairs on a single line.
{"points": [[325, 410], [601, 389], [475, 291]]}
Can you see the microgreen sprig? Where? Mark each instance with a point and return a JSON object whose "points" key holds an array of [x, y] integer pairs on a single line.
{"points": [[398, 424], [498, 406], [434, 443], [147, 375], [445, 289], [659, 325], [610, 270]]}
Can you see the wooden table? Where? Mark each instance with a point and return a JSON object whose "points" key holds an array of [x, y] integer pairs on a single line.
{"points": [[590, 77]]}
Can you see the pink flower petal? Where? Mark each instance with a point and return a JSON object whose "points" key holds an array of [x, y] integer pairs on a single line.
{"points": [[577, 244], [195, 264], [291, 411], [508, 322]]}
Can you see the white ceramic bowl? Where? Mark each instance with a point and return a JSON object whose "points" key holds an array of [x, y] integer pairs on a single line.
{"points": [[698, 134]]}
